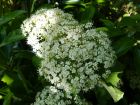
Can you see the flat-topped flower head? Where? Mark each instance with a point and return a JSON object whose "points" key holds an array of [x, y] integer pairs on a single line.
{"points": [[75, 64], [48, 24], [75, 56], [53, 96]]}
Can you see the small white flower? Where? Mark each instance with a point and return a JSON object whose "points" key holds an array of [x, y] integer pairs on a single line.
{"points": [[72, 54]]}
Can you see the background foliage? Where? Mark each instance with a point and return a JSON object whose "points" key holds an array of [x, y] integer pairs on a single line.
{"points": [[120, 19]]}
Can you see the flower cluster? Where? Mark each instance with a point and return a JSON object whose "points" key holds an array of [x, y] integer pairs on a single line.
{"points": [[47, 25], [52, 96], [75, 56], [134, 103]]}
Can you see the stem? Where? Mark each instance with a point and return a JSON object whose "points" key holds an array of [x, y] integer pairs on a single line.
{"points": [[32, 7]]}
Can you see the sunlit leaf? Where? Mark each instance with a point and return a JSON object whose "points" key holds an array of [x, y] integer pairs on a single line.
{"points": [[72, 2], [115, 93], [113, 78], [7, 79], [100, 1], [69, 6]]}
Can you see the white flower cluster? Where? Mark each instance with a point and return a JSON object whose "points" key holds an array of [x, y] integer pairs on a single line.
{"points": [[47, 25], [134, 103], [75, 57], [52, 96]]}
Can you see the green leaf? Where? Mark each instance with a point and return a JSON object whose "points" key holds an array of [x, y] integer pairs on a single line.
{"points": [[115, 93], [102, 29], [87, 14], [33, 4], [69, 6], [100, 1], [108, 23], [135, 17], [23, 54], [114, 32], [7, 98], [117, 67], [7, 79], [113, 78], [36, 61], [18, 86], [72, 2], [10, 16], [127, 21], [3, 58], [136, 53], [122, 45], [101, 93], [13, 36]]}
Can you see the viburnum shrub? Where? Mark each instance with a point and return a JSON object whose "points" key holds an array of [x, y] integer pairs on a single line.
{"points": [[75, 56]]}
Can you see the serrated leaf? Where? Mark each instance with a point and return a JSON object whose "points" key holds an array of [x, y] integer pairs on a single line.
{"points": [[13, 36], [113, 78], [115, 93], [122, 45], [10, 16]]}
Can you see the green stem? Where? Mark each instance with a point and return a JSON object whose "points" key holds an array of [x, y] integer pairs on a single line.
{"points": [[32, 7]]}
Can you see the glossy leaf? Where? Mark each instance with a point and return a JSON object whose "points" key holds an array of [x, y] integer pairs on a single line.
{"points": [[72, 2], [108, 23], [13, 36], [87, 14], [69, 6], [136, 53], [7, 98], [113, 78], [36, 61], [24, 54], [7, 79], [102, 29], [100, 1], [118, 67], [10, 16], [115, 93], [122, 45], [101, 93]]}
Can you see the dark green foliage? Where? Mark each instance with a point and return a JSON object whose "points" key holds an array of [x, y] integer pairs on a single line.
{"points": [[18, 64]]}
